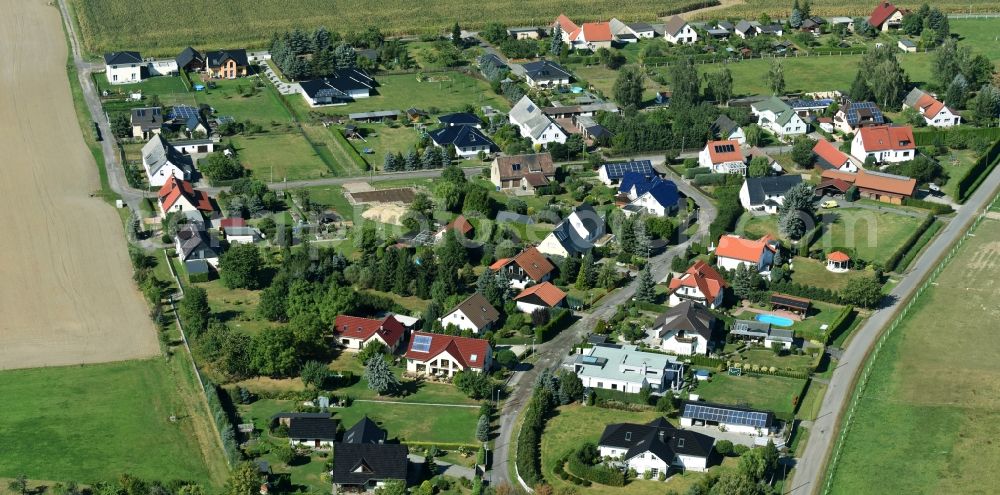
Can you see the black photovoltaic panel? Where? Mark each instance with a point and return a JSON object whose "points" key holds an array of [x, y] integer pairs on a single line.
{"points": [[864, 105], [619, 169], [184, 112], [724, 148], [728, 416]]}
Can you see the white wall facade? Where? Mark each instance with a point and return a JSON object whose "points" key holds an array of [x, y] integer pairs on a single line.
{"points": [[164, 67], [686, 36], [124, 73], [459, 319], [697, 344], [652, 206], [611, 384], [165, 172], [528, 307], [944, 118], [551, 246], [885, 156]]}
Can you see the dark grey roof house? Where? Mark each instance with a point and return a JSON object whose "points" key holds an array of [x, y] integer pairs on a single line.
{"points": [[343, 85], [313, 432], [190, 59], [767, 193], [641, 445], [121, 58], [364, 466], [687, 317], [365, 431], [545, 73]]}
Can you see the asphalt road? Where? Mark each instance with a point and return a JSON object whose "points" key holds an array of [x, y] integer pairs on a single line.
{"points": [[811, 466], [551, 353]]}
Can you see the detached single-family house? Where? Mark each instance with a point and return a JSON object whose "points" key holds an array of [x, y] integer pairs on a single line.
{"points": [[528, 267], [435, 354], [725, 129], [723, 157], [626, 368], [354, 333], [686, 329], [161, 161], [475, 314], [734, 251], [467, 140], [766, 194], [631, 32], [656, 447], [533, 124], [576, 234], [677, 31], [313, 432], [886, 16], [699, 283], [813, 25], [545, 73], [885, 144], [522, 172], [178, 195], [542, 296], [227, 64], [461, 118], [193, 243], [761, 333], [658, 197], [123, 67], [828, 157], [190, 59], [342, 86], [566, 27], [146, 121], [612, 173], [592, 36], [778, 117], [854, 115], [459, 225], [747, 29], [364, 467], [733, 418], [934, 111], [365, 431]]}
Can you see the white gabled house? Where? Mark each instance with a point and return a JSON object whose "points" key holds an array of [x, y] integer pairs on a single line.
{"points": [[123, 67], [686, 329], [354, 333], [723, 157], [656, 447], [434, 354], [161, 161], [766, 194], [677, 31], [575, 235], [934, 111], [734, 251], [778, 117], [884, 144], [534, 124], [475, 314], [699, 283]]}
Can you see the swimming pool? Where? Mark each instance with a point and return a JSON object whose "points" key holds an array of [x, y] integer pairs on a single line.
{"points": [[780, 321]]}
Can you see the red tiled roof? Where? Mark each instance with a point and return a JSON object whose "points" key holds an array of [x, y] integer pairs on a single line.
{"points": [[596, 31], [388, 328], [460, 225], [881, 14], [174, 188], [566, 25], [840, 185], [704, 277], [548, 293], [887, 137], [738, 248], [928, 106], [838, 256], [724, 151], [471, 353], [838, 175], [531, 260], [829, 153], [232, 222], [893, 184]]}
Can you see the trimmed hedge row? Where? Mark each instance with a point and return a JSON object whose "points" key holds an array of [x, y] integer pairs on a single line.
{"points": [[596, 474], [924, 239], [840, 323], [808, 239], [929, 136], [978, 172], [692, 172], [893, 260], [226, 428], [936, 208], [561, 472], [529, 439], [559, 321], [710, 179]]}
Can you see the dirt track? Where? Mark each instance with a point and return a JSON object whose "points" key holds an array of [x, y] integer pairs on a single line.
{"points": [[66, 293]]}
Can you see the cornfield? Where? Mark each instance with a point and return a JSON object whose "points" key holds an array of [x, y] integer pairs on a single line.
{"points": [[753, 9]]}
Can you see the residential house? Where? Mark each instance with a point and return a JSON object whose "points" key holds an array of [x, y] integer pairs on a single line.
{"points": [[190, 60], [828, 157], [566, 28], [354, 333], [806, 107], [699, 283], [854, 115], [469, 142], [813, 25], [193, 243], [178, 195], [592, 36], [766, 194], [459, 225], [584, 109], [544, 74], [576, 234], [227, 64], [161, 161], [877, 186], [522, 171], [123, 67], [146, 121], [773, 29], [884, 144], [461, 118], [934, 111], [841, 20], [723, 157], [656, 448], [365, 431], [475, 314], [721, 30], [436, 354], [734, 251], [194, 146], [886, 16], [593, 132], [686, 329], [658, 197], [342, 86], [534, 124], [778, 117], [624, 367], [365, 467], [746, 29], [543, 296], [755, 152], [631, 32], [761, 333], [612, 173], [677, 31], [312, 432], [241, 235], [725, 129], [732, 418], [528, 267], [524, 33], [907, 46]]}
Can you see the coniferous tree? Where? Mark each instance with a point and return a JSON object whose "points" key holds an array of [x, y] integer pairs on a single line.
{"points": [[380, 378], [646, 289]]}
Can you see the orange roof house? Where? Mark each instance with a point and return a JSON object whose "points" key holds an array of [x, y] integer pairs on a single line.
{"points": [[884, 143], [828, 157], [438, 354], [354, 333], [723, 157], [934, 111], [180, 195], [530, 266], [541, 296], [734, 251], [699, 283], [881, 184], [567, 26], [886, 16], [460, 225]]}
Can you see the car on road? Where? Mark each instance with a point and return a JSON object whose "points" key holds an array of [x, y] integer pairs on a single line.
{"points": [[830, 204]]}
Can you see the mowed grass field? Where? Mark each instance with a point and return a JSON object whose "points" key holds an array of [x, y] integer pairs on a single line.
{"points": [[95, 422], [930, 413]]}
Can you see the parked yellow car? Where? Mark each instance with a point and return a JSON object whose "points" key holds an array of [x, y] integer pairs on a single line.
{"points": [[830, 204]]}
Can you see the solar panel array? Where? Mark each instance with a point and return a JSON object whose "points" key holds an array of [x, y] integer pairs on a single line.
{"points": [[727, 416], [619, 169], [184, 112], [422, 343], [854, 114], [724, 148]]}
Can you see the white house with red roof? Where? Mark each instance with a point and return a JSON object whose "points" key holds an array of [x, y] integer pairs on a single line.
{"points": [[723, 157], [566, 28], [886, 16], [442, 355], [934, 111], [828, 157], [528, 267], [178, 195], [734, 251], [884, 143], [541, 296], [354, 333], [700, 283]]}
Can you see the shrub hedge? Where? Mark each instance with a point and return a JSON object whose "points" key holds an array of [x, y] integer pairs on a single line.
{"points": [[840, 324], [904, 248], [978, 172], [559, 321], [596, 474], [936, 208]]}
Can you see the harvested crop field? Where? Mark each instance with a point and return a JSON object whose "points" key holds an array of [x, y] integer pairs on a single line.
{"points": [[66, 292]]}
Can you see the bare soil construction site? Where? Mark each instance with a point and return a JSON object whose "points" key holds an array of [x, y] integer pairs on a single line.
{"points": [[66, 293]]}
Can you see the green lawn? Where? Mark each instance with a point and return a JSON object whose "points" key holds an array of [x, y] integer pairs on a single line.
{"points": [[812, 272], [262, 107], [757, 226], [160, 85], [766, 357], [281, 156], [812, 401], [383, 139], [980, 34], [769, 393], [603, 79], [928, 414], [332, 196], [956, 163], [874, 235], [235, 307], [95, 422]]}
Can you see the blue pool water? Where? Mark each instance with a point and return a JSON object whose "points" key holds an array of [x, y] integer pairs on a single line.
{"points": [[774, 320]]}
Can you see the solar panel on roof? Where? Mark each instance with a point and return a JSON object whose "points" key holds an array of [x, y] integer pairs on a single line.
{"points": [[724, 148], [184, 112], [422, 343], [754, 419]]}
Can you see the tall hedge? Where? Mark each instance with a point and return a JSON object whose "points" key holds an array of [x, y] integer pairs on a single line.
{"points": [[597, 474], [529, 440], [978, 172], [893, 260]]}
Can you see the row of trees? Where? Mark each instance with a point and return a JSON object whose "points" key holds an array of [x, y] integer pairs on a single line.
{"points": [[328, 53], [431, 158]]}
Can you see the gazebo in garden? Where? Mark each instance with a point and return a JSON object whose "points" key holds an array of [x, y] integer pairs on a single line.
{"points": [[838, 262]]}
